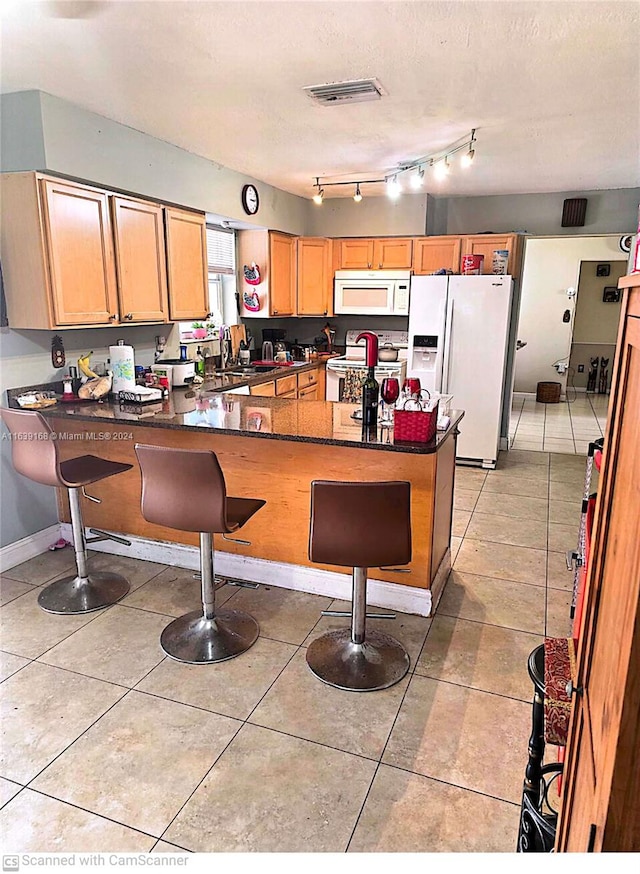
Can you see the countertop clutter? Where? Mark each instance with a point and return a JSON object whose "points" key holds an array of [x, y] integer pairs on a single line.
{"points": [[275, 418]]}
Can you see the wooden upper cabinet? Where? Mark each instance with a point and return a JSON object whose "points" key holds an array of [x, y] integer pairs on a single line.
{"points": [[187, 272], [355, 254], [315, 277], [431, 254], [362, 253], [392, 254], [282, 274], [80, 254], [140, 260], [486, 244]]}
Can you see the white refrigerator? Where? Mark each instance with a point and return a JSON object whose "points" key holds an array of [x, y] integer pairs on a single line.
{"points": [[459, 329]]}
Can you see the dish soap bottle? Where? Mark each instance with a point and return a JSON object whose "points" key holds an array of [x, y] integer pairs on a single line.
{"points": [[199, 362], [370, 387]]}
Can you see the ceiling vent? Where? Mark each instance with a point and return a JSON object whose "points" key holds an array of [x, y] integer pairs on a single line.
{"points": [[353, 91]]}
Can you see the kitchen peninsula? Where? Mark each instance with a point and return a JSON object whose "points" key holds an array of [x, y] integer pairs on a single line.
{"points": [[270, 448]]}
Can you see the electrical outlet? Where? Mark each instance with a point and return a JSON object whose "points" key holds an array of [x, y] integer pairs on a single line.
{"points": [[580, 368]]}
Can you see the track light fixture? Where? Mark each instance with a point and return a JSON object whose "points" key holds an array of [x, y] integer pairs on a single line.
{"points": [[438, 162], [394, 189], [418, 178], [467, 159], [318, 197]]}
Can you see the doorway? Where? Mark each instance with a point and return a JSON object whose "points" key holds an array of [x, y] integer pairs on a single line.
{"points": [[595, 326]]}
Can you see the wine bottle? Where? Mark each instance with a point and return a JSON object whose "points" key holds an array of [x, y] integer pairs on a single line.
{"points": [[370, 387], [370, 398]]}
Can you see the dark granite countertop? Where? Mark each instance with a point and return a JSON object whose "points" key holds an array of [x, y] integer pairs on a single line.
{"points": [[212, 407], [271, 418]]}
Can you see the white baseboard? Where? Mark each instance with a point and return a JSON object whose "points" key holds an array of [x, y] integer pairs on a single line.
{"points": [[29, 547], [406, 599]]}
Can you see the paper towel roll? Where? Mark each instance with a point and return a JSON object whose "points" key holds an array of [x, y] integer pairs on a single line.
{"points": [[123, 368]]}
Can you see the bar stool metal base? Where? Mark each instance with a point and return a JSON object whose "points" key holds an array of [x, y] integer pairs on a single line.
{"points": [[377, 663], [72, 595], [197, 640]]}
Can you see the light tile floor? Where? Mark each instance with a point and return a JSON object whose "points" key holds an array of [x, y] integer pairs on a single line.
{"points": [[567, 427], [108, 745]]}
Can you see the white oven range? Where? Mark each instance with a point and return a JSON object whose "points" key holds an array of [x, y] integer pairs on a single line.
{"points": [[354, 359]]}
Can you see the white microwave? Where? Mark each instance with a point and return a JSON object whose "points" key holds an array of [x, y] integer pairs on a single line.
{"points": [[371, 292]]}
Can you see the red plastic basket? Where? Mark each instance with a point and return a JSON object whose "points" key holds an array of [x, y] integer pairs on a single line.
{"points": [[414, 426]]}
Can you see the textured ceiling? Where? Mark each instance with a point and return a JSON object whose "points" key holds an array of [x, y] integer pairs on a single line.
{"points": [[553, 87]]}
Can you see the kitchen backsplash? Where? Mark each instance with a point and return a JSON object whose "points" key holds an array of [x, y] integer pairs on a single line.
{"points": [[306, 330]]}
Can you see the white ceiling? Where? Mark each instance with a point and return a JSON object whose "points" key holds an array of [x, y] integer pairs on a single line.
{"points": [[553, 87]]}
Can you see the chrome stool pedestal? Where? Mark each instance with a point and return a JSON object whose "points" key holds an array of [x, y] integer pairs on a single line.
{"points": [[208, 635], [354, 659], [85, 591]]}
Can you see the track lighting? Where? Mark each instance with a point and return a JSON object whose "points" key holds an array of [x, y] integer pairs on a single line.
{"points": [[437, 161], [394, 189], [418, 178]]}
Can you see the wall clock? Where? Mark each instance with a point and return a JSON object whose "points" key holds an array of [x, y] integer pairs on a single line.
{"points": [[250, 199]]}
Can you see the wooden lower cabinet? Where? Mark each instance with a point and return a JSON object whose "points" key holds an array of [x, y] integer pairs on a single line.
{"points": [[310, 393], [265, 390], [286, 384], [601, 796]]}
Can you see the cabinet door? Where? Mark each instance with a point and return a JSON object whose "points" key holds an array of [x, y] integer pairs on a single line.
{"points": [[265, 390], [81, 264], [282, 275], [486, 245], [308, 394], [431, 254], [601, 803], [286, 384], [186, 264], [392, 254], [355, 254], [140, 260], [315, 279]]}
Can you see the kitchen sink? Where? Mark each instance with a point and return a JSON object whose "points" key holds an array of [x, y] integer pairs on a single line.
{"points": [[247, 371]]}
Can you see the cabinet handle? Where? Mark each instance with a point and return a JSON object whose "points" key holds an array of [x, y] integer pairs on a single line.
{"points": [[113, 318], [325, 312], [380, 266], [129, 316], [574, 690], [275, 312]]}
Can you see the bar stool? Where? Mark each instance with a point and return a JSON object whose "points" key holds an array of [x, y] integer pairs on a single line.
{"points": [[34, 452], [359, 525], [185, 489]]}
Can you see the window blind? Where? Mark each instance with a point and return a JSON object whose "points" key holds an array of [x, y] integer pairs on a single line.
{"points": [[220, 250]]}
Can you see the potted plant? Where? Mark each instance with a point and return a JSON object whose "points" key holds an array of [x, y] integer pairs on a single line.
{"points": [[199, 331]]}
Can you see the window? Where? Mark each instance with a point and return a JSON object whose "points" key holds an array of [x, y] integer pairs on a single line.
{"points": [[221, 252]]}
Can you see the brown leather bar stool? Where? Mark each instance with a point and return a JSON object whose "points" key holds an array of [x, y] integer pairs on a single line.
{"points": [[35, 455], [185, 489], [359, 525]]}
